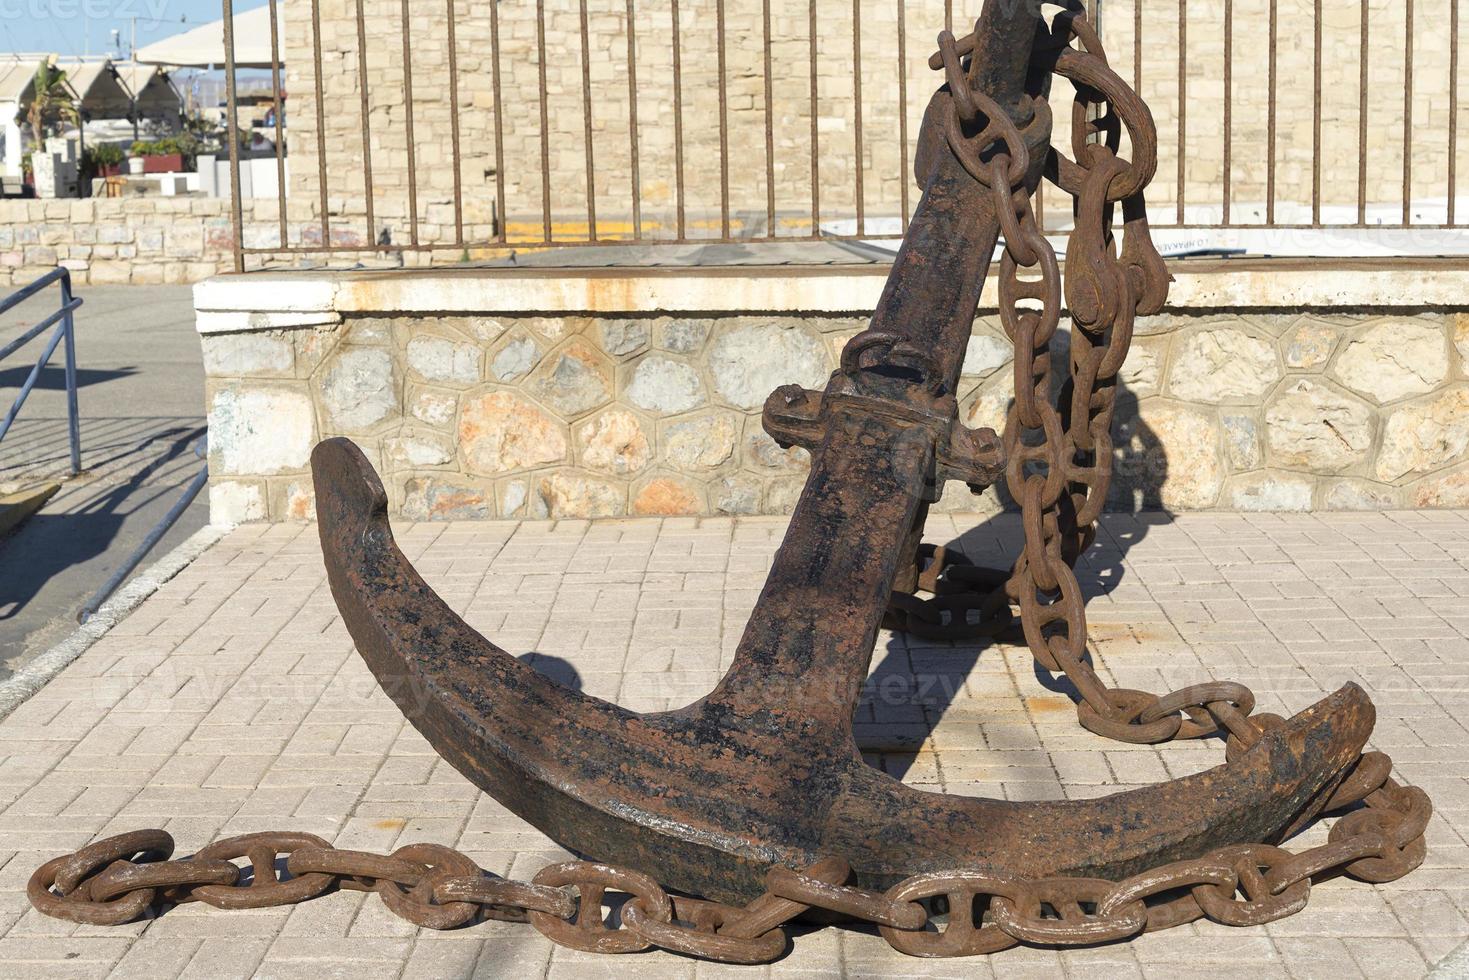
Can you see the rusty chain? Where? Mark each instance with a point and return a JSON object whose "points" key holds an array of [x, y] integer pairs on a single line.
{"points": [[1060, 456], [119, 880]]}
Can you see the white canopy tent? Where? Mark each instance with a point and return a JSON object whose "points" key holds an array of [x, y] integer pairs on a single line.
{"points": [[17, 78], [99, 91], [203, 47], [154, 95]]}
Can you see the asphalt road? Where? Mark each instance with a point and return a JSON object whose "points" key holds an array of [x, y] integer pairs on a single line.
{"points": [[141, 395]]}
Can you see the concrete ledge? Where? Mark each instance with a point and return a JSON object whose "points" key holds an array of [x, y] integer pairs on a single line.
{"points": [[276, 301], [16, 507]]}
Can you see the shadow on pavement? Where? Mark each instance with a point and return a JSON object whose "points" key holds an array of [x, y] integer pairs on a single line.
{"points": [[73, 531], [53, 377], [926, 678]]}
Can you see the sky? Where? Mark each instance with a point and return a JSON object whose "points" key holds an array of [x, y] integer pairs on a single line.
{"points": [[74, 27]]}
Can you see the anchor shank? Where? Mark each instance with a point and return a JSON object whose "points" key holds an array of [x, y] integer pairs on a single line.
{"points": [[809, 643]]}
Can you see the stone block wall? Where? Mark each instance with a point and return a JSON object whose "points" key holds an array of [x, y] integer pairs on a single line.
{"points": [[139, 240], [886, 74], [581, 416]]}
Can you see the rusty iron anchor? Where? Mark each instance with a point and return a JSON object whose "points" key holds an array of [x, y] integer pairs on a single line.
{"points": [[764, 772]]}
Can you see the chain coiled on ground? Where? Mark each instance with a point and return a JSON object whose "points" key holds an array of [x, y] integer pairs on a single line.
{"points": [[1060, 457], [121, 879]]}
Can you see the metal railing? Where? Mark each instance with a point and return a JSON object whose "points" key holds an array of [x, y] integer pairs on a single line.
{"points": [[63, 321], [1279, 115]]}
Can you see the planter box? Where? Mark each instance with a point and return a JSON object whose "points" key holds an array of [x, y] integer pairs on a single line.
{"points": [[172, 163]]}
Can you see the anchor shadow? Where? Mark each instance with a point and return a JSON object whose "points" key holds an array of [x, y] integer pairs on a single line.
{"points": [[559, 669], [917, 682]]}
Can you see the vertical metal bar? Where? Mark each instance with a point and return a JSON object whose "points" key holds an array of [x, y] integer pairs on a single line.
{"points": [[1228, 104], [949, 16], [1408, 115], [503, 212], [903, 112], [232, 111], [1137, 46], [326, 221], [366, 113], [545, 122], [280, 137], [408, 114], [769, 127], [723, 124], [1183, 105], [1316, 122], [815, 128], [1270, 123], [453, 41], [859, 189], [1453, 110], [586, 122], [73, 415], [678, 124], [632, 123], [1362, 79]]}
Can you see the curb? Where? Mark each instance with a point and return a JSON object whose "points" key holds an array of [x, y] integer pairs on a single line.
{"points": [[24, 683]]}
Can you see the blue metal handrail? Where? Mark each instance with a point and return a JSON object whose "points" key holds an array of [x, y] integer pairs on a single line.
{"points": [[65, 323]]}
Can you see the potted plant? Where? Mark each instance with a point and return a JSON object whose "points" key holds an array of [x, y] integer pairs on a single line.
{"points": [[103, 160], [50, 100], [172, 154]]}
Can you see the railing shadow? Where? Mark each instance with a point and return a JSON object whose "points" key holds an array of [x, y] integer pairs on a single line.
{"points": [[52, 377], [51, 543], [919, 681]]}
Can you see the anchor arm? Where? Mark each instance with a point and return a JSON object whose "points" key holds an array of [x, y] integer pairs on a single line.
{"points": [[709, 799]]}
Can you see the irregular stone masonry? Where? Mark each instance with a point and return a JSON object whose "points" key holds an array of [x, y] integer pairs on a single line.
{"points": [[581, 417], [882, 154]]}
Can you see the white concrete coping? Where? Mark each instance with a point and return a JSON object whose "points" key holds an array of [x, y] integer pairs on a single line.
{"points": [[287, 300]]}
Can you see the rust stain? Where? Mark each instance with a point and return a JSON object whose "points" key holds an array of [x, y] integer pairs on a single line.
{"points": [[1041, 705]]}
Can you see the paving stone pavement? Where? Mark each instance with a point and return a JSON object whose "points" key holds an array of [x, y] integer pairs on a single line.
{"points": [[232, 702]]}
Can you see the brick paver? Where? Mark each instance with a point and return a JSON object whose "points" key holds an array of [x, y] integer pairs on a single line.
{"points": [[232, 702]]}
